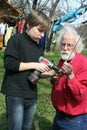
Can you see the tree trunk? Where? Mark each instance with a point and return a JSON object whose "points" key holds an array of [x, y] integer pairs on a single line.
{"points": [[34, 4], [49, 38]]}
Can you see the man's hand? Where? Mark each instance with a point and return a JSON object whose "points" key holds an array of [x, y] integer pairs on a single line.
{"points": [[68, 70]]}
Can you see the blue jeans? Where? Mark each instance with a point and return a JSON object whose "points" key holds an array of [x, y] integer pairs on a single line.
{"points": [[20, 112], [67, 122]]}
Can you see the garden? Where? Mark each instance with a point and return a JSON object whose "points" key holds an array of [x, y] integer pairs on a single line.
{"points": [[45, 112]]}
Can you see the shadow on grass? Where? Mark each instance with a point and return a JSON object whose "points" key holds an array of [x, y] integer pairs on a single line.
{"points": [[41, 123], [3, 123]]}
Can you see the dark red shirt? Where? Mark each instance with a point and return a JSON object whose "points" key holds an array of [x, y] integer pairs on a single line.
{"points": [[70, 96]]}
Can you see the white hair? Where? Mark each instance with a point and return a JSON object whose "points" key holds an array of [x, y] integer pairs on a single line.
{"points": [[79, 46]]}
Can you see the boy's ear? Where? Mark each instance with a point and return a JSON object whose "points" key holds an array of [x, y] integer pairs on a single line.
{"points": [[28, 27]]}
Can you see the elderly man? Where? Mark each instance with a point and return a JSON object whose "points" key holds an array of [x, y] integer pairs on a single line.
{"points": [[69, 86]]}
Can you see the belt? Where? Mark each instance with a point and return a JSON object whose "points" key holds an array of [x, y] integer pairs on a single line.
{"points": [[64, 115]]}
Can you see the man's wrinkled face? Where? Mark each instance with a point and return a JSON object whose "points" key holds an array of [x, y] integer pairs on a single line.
{"points": [[68, 46]]}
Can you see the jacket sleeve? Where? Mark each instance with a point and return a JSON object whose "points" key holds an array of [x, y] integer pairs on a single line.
{"points": [[11, 55], [78, 85]]}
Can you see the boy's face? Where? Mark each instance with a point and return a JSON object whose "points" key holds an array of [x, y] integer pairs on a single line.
{"points": [[36, 33]]}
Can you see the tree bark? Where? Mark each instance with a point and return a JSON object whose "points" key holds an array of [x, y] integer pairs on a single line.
{"points": [[34, 4], [49, 38]]}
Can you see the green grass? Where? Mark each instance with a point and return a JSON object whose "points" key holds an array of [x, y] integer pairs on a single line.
{"points": [[2, 100], [45, 111]]}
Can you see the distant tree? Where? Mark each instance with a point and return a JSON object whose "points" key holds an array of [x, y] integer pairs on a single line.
{"points": [[23, 5], [50, 8], [49, 37], [82, 2], [34, 4], [53, 8], [52, 12]]}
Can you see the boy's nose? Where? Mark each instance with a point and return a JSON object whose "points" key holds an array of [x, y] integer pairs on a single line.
{"points": [[42, 34]]}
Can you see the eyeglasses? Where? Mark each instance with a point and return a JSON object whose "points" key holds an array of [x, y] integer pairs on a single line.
{"points": [[68, 45]]}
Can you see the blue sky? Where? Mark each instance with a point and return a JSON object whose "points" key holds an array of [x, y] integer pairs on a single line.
{"points": [[73, 4]]}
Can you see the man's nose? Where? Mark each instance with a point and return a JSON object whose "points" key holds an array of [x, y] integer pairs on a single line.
{"points": [[65, 47]]}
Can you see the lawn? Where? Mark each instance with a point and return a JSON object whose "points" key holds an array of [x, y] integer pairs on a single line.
{"points": [[45, 111]]}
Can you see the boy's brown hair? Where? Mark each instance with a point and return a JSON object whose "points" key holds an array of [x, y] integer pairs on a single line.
{"points": [[36, 18]]}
